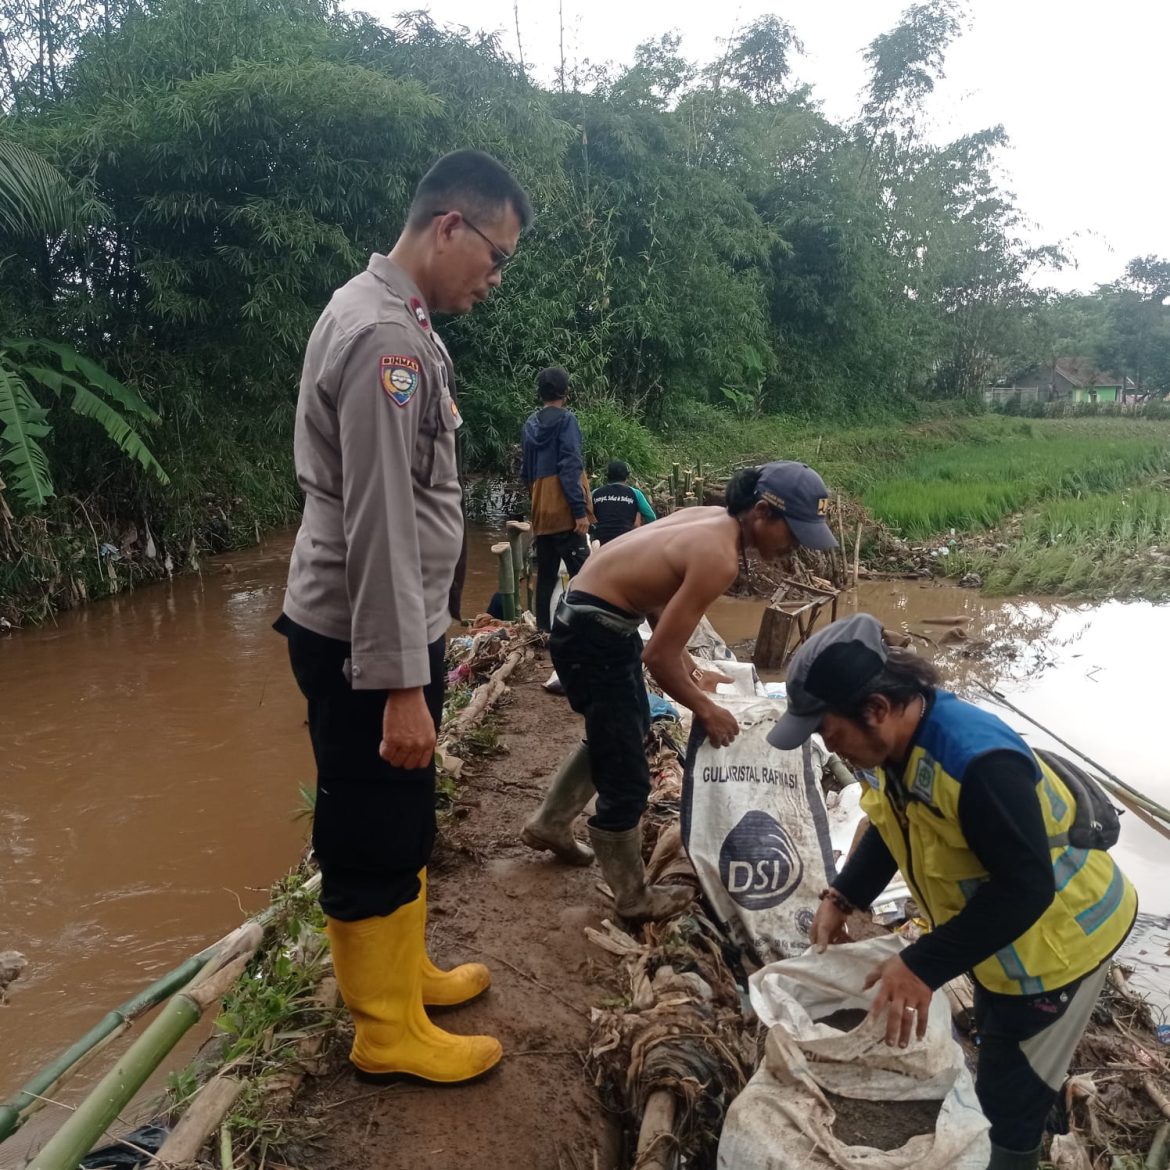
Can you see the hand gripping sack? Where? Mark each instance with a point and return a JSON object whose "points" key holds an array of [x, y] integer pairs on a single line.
{"points": [[755, 828], [783, 1121]]}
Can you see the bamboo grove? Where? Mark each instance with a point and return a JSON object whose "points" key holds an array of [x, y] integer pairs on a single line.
{"points": [[183, 183]]}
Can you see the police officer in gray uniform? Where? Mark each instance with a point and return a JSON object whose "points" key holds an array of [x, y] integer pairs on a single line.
{"points": [[372, 588]]}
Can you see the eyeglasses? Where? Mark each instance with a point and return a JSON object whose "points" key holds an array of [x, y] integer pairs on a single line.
{"points": [[500, 258]]}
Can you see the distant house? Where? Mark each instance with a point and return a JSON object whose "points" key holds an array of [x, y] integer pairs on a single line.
{"points": [[1065, 380]]}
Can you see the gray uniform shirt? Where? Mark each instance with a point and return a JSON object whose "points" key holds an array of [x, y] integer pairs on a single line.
{"points": [[375, 455]]}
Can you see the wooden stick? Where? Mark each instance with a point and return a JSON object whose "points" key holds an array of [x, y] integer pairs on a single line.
{"points": [[1159, 1156], [857, 553], [841, 544], [208, 1109], [506, 581], [657, 1148], [698, 489], [484, 697], [1157, 1095]]}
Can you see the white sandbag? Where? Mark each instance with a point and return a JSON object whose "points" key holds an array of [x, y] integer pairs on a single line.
{"points": [[782, 1120], [745, 682], [755, 828], [706, 642]]}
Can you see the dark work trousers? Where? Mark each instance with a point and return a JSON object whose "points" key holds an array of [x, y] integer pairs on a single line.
{"points": [[550, 551], [374, 824], [1026, 1043], [601, 670]]}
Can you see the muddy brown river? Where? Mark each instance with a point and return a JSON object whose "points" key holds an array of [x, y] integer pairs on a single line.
{"points": [[153, 747]]}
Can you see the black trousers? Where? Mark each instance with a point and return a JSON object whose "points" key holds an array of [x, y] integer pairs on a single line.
{"points": [[550, 551], [374, 824], [1026, 1043], [601, 671]]}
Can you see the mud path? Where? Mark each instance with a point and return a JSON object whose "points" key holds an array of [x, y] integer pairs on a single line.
{"points": [[494, 900]]}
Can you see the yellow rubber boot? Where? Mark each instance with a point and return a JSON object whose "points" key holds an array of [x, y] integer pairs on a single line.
{"points": [[378, 963], [446, 988]]}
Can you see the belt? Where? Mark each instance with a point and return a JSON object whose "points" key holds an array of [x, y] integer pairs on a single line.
{"points": [[568, 614]]}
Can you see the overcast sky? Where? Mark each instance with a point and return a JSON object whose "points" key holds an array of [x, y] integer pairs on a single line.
{"points": [[1081, 89]]}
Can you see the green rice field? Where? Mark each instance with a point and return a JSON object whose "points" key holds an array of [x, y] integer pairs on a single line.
{"points": [[972, 487]]}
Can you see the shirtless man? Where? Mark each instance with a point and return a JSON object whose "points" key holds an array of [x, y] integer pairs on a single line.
{"points": [[668, 573]]}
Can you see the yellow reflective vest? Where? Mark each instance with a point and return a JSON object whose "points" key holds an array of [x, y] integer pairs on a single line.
{"points": [[917, 816]]}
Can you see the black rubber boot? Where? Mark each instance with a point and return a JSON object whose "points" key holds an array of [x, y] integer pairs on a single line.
{"points": [[569, 792], [1002, 1159]]}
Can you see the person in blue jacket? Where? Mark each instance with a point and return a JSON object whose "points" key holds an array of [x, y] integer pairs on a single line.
{"points": [[553, 470]]}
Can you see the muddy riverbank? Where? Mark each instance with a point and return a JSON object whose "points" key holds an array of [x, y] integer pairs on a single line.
{"points": [[154, 749]]}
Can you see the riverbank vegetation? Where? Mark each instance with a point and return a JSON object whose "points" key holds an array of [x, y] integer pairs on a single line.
{"points": [[719, 264]]}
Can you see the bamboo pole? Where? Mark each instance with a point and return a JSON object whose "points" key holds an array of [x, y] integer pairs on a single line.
{"points": [[15, 1111], [857, 554], [840, 770], [1135, 800], [506, 579], [841, 544], [698, 489], [675, 485], [117, 1088], [31, 1096]]}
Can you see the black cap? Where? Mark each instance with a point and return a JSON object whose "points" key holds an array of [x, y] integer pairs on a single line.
{"points": [[802, 496], [828, 673]]}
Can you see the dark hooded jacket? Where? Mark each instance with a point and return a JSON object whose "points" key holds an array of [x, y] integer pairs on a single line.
{"points": [[554, 471]]}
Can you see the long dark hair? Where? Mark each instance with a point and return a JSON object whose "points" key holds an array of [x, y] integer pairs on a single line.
{"points": [[904, 677]]}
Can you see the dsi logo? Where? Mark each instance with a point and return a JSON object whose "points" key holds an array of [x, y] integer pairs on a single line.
{"points": [[758, 863]]}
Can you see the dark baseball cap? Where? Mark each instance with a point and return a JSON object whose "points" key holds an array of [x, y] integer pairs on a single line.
{"points": [[801, 495], [828, 673]]}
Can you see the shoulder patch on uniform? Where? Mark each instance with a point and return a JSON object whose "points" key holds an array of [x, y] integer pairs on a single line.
{"points": [[399, 375], [420, 312]]}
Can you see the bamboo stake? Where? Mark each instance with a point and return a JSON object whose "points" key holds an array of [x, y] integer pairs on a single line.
{"points": [[506, 580], [1135, 800], [698, 489], [857, 554], [518, 535], [841, 544], [675, 484], [226, 1162]]}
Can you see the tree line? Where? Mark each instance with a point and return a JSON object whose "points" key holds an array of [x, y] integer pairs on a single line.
{"points": [[183, 183]]}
